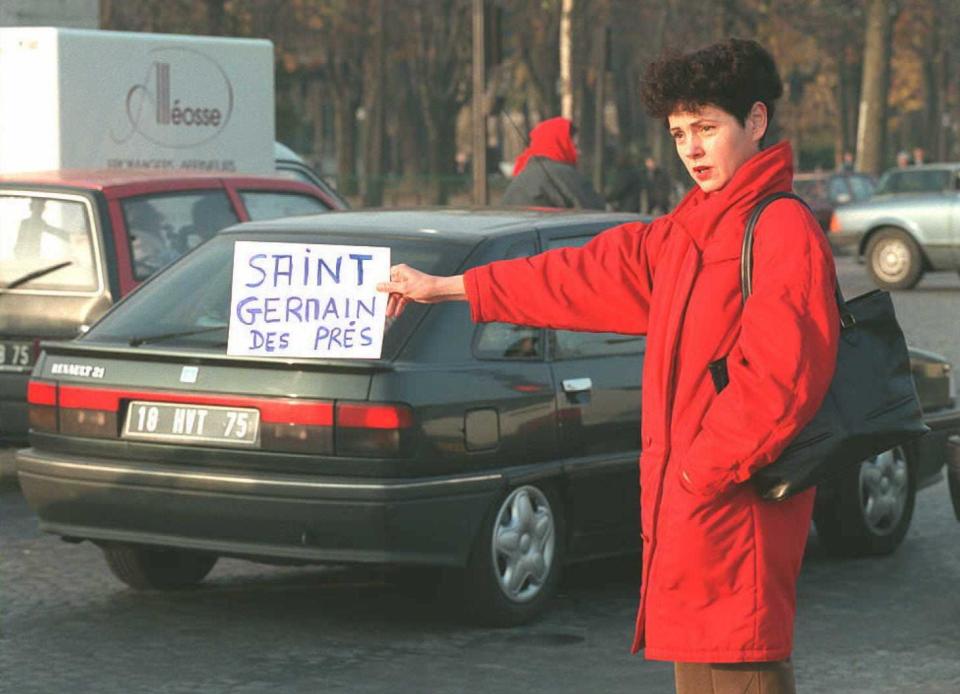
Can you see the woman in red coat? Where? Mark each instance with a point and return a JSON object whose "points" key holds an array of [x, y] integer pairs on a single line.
{"points": [[720, 565]]}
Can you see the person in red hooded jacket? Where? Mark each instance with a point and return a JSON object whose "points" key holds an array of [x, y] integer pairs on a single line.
{"points": [[720, 565], [545, 174]]}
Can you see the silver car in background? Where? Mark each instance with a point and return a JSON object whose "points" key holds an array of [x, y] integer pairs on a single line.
{"points": [[910, 226]]}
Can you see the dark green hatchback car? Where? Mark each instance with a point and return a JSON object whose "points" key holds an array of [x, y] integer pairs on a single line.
{"points": [[495, 451]]}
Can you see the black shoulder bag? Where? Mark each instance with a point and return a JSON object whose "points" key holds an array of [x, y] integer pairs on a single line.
{"points": [[872, 403]]}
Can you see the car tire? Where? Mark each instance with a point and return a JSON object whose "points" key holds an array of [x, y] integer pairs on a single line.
{"points": [[157, 568], [514, 566], [894, 260], [871, 507]]}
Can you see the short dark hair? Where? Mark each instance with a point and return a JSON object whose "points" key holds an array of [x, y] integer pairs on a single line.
{"points": [[733, 74]]}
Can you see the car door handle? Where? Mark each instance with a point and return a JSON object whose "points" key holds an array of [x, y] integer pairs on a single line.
{"points": [[576, 385]]}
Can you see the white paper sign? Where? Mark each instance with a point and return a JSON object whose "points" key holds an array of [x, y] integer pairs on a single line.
{"points": [[307, 300]]}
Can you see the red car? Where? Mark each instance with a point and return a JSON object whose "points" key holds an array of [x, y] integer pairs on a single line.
{"points": [[73, 242]]}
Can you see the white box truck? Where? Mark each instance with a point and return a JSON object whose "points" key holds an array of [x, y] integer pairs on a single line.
{"points": [[74, 98]]}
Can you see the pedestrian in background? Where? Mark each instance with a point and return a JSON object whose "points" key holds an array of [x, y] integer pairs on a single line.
{"points": [[919, 156], [846, 162], [720, 565], [545, 174], [627, 183], [657, 188], [903, 159]]}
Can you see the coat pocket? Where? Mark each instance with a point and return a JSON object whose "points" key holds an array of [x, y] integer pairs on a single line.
{"points": [[718, 372]]}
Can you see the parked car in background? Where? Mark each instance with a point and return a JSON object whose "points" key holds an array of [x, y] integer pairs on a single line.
{"points": [[493, 452], [73, 242], [909, 227], [953, 469], [825, 191], [292, 165], [867, 510]]}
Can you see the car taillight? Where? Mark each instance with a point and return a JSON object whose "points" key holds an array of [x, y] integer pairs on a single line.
{"points": [[373, 429], [297, 427], [834, 223], [42, 405], [292, 425], [88, 412]]}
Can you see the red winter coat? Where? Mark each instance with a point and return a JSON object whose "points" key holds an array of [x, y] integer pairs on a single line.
{"points": [[719, 565]]}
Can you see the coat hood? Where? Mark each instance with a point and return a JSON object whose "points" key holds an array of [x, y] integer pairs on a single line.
{"points": [[550, 139]]}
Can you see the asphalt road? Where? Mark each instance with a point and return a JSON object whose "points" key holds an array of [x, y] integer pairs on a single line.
{"points": [[884, 626]]}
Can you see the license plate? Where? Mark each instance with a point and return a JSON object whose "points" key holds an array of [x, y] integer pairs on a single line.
{"points": [[192, 424], [16, 353]]}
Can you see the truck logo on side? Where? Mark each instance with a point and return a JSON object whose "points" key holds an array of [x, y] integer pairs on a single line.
{"points": [[172, 111]]}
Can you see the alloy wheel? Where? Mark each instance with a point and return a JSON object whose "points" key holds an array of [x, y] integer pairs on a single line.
{"points": [[884, 490], [523, 543]]}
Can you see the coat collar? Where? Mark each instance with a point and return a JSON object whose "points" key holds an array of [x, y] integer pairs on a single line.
{"points": [[701, 214]]}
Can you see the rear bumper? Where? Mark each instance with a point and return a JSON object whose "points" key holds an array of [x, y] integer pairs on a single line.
{"points": [[426, 521], [932, 449], [844, 239], [13, 406]]}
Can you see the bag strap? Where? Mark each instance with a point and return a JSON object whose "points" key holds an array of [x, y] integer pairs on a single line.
{"points": [[746, 257]]}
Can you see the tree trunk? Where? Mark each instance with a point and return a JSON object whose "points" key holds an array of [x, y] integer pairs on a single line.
{"points": [[659, 146], [413, 143], [478, 120], [441, 143], [943, 124], [625, 81], [841, 139], [932, 62], [599, 141], [566, 59], [871, 128], [374, 106], [345, 135], [216, 17]]}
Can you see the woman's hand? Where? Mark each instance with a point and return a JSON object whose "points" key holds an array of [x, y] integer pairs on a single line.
{"points": [[407, 284]]}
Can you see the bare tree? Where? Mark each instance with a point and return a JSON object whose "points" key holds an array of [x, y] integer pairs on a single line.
{"points": [[566, 59], [374, 106], [439, 67], [326, 40], [872, 123], [536, 41]]}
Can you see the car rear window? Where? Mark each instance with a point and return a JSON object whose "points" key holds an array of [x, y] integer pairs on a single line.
{"points": [[273, 205], [193, 295], [46, 244], [164, 226]]}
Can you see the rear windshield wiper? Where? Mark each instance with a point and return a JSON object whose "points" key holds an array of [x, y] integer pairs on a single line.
{"points": [[137, 341], [23, 279]]}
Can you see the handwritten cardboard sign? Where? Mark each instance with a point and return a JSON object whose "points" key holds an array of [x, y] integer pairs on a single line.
{"points": [[307, 300]]}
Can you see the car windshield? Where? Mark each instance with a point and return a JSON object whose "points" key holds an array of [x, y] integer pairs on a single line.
{"points": [[46, 244], [188, 304]]}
